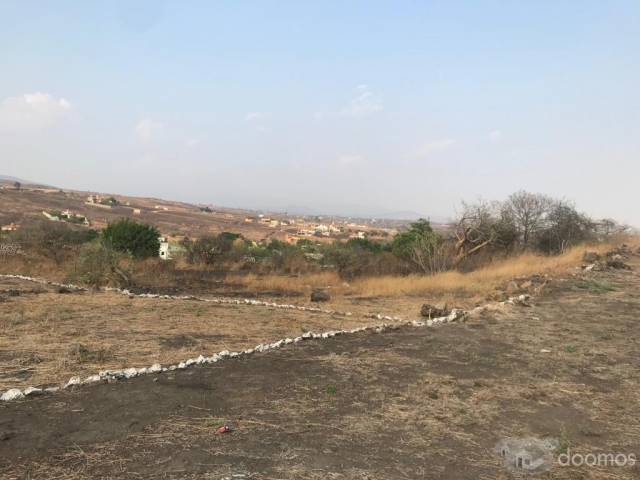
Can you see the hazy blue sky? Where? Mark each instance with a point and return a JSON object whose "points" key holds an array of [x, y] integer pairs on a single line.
{"points": [[338, 106]]}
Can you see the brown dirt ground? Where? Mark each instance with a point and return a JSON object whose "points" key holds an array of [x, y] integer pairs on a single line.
{"points": [[411, 403]]}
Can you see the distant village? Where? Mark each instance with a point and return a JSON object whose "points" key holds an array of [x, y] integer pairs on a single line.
{"points": [[254, 225]]}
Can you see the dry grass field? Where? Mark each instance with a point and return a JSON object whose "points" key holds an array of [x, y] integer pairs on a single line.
{"points": [[407, 404], [47, 337]]}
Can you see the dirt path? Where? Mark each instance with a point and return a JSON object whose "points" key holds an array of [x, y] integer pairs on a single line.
{"points": [[411, 403]]}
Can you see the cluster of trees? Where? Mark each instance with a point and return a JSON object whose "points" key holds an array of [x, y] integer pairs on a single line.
{"points": [[523, 221], [98, 257], [482, 231]]}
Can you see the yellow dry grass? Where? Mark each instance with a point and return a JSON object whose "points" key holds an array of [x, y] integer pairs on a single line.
{"points": [[448, 284], [48, 337], [477, 282]]}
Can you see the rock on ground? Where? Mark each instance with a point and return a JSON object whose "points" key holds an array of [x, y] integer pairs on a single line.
{"points": [[320, 296]]}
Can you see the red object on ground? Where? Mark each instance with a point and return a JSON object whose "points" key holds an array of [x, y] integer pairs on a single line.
{"points": [[224, 429]]}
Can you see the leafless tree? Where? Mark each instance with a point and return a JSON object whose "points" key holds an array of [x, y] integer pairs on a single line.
{"points": [[608, 227], [474, 229], [529, 212]]}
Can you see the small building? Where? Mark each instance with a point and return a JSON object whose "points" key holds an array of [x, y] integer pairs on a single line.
{"points": [[165, 250], [97, 201]]}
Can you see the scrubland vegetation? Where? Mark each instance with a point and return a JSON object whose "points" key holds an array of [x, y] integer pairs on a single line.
{"points": [[488, 243]]}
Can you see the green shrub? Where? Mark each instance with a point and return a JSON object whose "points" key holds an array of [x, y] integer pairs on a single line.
{"points": [[136, 239], [98, 265]]}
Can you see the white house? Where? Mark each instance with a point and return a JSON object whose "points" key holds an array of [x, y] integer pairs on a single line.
{"points": [[164, 252]]}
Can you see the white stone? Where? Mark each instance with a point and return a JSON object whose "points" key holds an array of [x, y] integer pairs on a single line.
{"points": [[32, 391], [92, 379], [73, 381], [156, 367], [12, 394]]}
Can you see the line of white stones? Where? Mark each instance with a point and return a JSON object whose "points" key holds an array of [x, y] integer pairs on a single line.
{"points": [[111, 375], [217, 300]]}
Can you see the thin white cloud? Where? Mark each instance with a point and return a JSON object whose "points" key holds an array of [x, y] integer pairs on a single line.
{"points": [[363, 104], [253, 116], [495, 136], [435, 146], [32, 111], [350, 159], [146, 129], [192, 142]]}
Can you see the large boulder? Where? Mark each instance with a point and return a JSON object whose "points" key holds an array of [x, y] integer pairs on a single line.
{"points": [[320, 295], [434, 311]]}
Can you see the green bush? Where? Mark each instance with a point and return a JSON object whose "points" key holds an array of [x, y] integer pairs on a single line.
{"points": [[212, 249], [422, 247], [98, 264], [136, 239]]}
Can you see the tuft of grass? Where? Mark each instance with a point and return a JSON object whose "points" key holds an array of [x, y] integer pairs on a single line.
{"points": [[331, 389], [83, 354], [570, 348], [563, 442], [595, 286]]}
